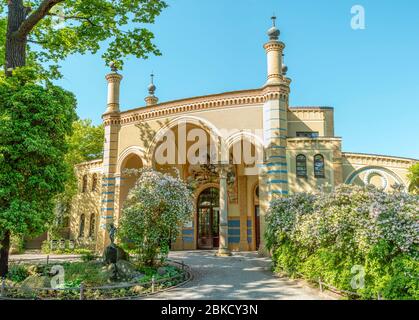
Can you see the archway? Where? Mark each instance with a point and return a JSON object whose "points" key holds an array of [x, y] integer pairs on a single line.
{"points": [[132, 161], [208, 217]]}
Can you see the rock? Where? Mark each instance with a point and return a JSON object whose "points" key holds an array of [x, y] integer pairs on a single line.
{"points": [[126, 270], [138, 289], [110, 272], [161, 271], [113, 254], [31, 283], [121, 254], [110, 255]]}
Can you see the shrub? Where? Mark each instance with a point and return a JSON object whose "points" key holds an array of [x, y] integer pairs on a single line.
{"points": [[326, 235], [154, 212], [17, 273]]}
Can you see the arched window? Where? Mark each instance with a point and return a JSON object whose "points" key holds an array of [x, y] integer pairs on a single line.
{"points": [[301, 166], [82, 223], [92, 226], [84, 186], [94, 182], [319, 166]]}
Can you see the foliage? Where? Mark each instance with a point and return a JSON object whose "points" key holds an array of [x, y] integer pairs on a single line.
{"points": [[73, 26], [93, 276], [88, 273], [17, 244], [154, 212], [17, 273], [414, 178], [46, 249], [326, 235], [34, 123]]}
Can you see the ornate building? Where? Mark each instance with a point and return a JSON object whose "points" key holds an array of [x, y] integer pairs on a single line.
{"points": [[289, 149]]}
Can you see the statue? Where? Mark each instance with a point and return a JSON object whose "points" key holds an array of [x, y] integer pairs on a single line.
{"points": [[114, 253], [112, 232]]}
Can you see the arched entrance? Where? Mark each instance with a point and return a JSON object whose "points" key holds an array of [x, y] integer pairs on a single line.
{"points": [[208, 207]]}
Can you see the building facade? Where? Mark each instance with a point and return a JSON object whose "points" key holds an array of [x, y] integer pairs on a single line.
{"points": [[251, 146]]}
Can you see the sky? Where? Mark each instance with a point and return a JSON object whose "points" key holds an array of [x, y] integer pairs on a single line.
{"points": [[370, 76]]}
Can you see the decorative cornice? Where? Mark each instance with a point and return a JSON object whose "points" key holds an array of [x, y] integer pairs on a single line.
{"points": [[311, 108], [210, 102], [374, 159], [114, 77], [89, 165], [274, 46]]}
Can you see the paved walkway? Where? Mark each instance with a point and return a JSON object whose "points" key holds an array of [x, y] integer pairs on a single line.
{"points": [[30, 256], [245, 275]]}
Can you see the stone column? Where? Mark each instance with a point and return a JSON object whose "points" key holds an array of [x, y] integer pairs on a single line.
{"points": [[223, 248]]}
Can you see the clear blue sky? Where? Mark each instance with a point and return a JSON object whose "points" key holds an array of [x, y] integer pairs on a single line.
{"points": [[370, 77]]}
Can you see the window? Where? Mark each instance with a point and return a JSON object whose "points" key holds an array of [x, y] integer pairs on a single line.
{"points": [[319, 166], [301, 166], [82, 223], [92, 226], [308, 134], [94, 182], [84, 186]]}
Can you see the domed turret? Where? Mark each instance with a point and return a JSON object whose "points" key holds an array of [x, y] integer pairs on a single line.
{"points": [[274, 32], [151, 99]]}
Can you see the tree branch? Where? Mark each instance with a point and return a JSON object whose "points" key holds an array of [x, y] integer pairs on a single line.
{"points": [[88, 19], [36, 16]]}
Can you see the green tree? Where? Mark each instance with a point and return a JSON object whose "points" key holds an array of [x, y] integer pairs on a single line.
{"points": [[85, 144], [58, 28], [414, 178], [154, 212], [34, 123]]}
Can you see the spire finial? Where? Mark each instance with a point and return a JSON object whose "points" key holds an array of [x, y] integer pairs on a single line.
{"points": [[273, 32], [152, 87], [273, 20]]}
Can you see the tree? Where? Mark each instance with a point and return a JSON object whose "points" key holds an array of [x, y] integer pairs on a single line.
{"points": [[34, 123], [154, 212], [414, 178], [84, 144], [58, 28]]}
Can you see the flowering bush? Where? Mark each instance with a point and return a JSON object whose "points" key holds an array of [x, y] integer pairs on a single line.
{"points": [[327, 234], [154, 212]]}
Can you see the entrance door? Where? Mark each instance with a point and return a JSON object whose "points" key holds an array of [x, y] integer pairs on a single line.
{"points": [[208, 219]]}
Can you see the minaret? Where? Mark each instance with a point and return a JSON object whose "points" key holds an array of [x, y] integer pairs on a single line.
{"points": [[111, 123], [151, 100], [114, 82], [273, 180], [274, 49]]}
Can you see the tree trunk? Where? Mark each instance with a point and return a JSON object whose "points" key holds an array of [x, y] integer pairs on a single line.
{"points": [[15, 47], [4, 254]]}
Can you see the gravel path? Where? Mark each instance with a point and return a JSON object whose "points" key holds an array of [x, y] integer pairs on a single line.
{"points": [[244, 275]]}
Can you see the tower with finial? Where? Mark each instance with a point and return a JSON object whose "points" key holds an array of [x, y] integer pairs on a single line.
{"points": [[111, 122], [274, 49], [273, 180], [151, 100]]}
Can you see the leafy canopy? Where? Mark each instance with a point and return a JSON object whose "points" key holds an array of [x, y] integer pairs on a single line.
{"points": [[34, 123], [414, 178], [58, 28]]}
